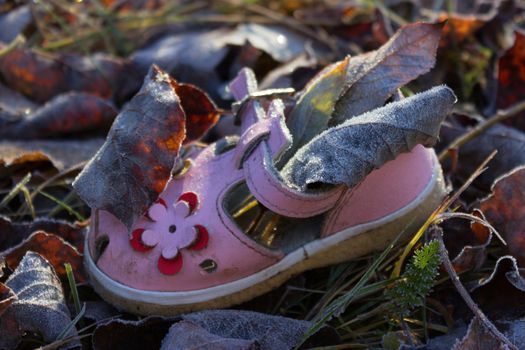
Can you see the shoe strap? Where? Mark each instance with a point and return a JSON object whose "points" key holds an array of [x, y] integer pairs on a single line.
{"points": [[264, 139]]}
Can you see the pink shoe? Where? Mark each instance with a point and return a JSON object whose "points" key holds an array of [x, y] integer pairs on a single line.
{"points": [[194, 248]]}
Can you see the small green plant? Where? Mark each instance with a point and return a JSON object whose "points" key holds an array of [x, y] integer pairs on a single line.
{"points": [[416, 282]]}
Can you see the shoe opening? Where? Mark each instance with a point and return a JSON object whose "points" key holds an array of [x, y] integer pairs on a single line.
{"points": [[266, 227]]}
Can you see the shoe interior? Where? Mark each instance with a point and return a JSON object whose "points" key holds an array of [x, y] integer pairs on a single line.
{"points": [[267, 228]]}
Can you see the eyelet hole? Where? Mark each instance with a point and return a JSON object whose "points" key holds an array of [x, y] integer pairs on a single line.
{"points": [[208, 265], [172, 228]]}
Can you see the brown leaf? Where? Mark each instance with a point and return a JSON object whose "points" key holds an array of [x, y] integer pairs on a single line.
{"points": [[7, 296], [63, 154], [134, 165], [467, 243], [505, 209], [459, 27], [14, 233], [511, 79], [43, 76], [201, 112], [64, 115], [56, 250]]}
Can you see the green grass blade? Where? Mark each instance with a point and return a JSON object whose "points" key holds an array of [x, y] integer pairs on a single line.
{"points": [[15, 190], [63, 205]]}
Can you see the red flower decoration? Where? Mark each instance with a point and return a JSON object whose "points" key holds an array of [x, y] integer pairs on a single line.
{"points": [[172, 230]]}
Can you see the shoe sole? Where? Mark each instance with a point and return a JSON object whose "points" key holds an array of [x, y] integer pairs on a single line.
{"points": [[345, 245]]}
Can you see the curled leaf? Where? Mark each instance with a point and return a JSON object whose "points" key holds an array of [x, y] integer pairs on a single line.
{"points": [[40, 306], [345, 154], [134, 165], [364, 82], [42, 76], [201, 112], [64, 115], [316, 105], [375, 76], [501, 294], [505, 209]]}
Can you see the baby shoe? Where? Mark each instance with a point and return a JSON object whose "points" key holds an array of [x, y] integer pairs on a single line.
{"points": [[232, 226]]}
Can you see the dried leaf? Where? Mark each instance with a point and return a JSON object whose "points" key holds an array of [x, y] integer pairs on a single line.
{"points": [[14, 233], [467, 242], [13, 105], [505, 210], [65, 115], [316, 105], [373, 77], [204, 50], [134, 165], [471, 256], [40, 306], [364, 82], [201, 113], [188, 335], [345, 154], [513, 330], [121, 334], [500, 296], [7, 297], [195, 56], [14, 22], [511, 79], [278, 41], [99, 311], [509, 142], [43, 76], [460, 27], [479, 338], [190, 56], [270, 332], [63, 154], [53, 248]]}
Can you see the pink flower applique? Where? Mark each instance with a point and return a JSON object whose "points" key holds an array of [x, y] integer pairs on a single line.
{"points": [[173, 230]]}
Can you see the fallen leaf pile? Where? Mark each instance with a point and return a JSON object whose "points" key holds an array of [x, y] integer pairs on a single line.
{"points": [[115, 93]]}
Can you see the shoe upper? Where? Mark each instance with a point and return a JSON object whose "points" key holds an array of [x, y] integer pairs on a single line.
{"points": [[188, 240]]}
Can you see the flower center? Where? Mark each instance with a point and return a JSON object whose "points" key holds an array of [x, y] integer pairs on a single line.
{"points": [[172, 228]]}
